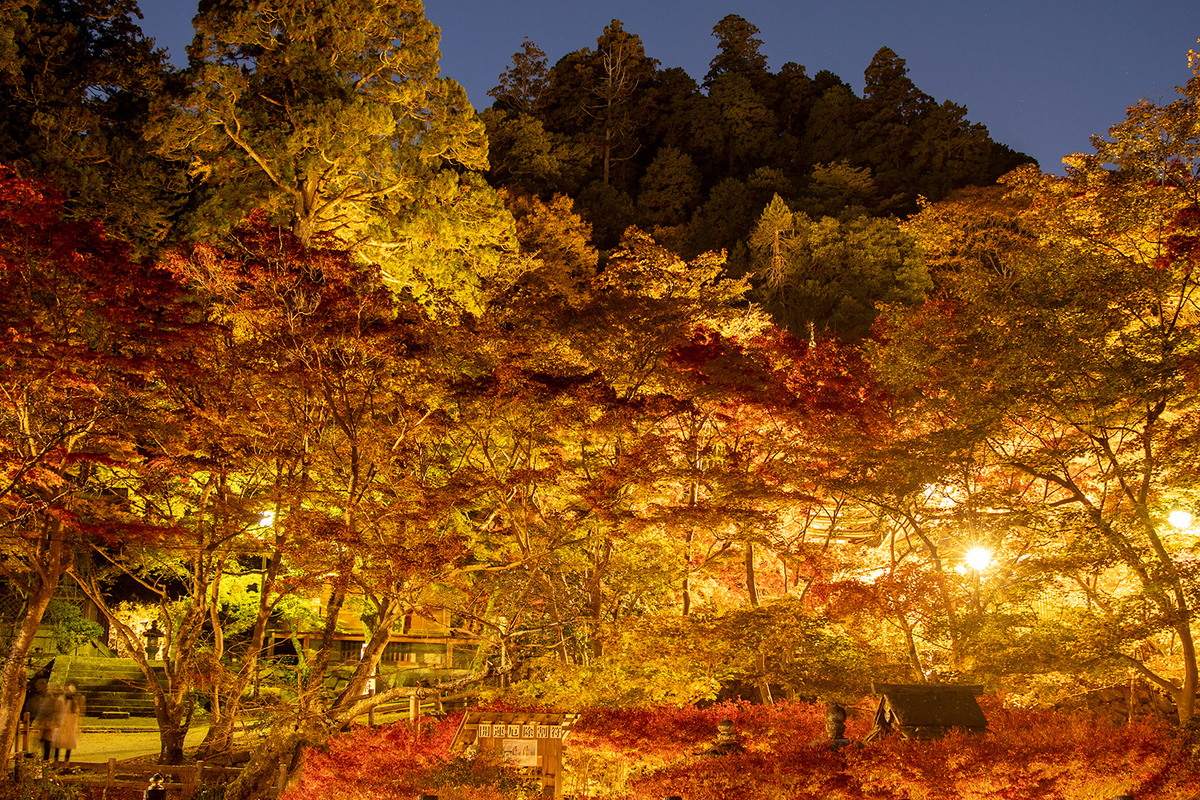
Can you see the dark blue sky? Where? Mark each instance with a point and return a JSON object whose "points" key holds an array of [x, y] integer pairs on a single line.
{"points": [[1042, 76]]}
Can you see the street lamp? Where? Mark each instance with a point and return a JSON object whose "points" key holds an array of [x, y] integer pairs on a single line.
{"points": [[979, 558]]}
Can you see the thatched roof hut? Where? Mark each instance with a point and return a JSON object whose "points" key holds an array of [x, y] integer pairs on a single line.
{"points": [[926, 711]]}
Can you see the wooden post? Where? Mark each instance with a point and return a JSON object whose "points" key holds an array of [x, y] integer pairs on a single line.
{"points": [[23, 767], [189, 781], [281, 780], [112, 768], [198, 779], [25, 734], [414, 708]]}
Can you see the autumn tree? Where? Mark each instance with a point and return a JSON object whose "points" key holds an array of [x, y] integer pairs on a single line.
{"points": [[90, 339], [222, 472], [347, 441], [1092, 395]]}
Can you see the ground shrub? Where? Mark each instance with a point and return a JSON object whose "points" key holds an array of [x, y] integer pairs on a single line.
{"points": [[402, 761], [655, 753]]}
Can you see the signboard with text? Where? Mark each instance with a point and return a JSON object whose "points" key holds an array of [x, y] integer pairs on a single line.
{"points": [[530, 741]]}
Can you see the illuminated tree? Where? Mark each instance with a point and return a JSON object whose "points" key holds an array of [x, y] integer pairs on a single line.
{"points": [[334, 120], [1089, 287], [90, 339], [829, 274]]}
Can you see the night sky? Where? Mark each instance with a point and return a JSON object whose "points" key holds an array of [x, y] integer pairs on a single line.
{"points": [[1042, 76]]}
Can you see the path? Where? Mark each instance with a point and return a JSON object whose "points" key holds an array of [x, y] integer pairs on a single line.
{"points": [[100, 740]]}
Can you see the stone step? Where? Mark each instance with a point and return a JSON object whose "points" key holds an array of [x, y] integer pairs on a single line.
{"points": [[137, 708], [109, 685], [115, 697]]}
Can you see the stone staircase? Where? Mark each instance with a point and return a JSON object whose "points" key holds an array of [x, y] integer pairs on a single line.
{"points": [[110, 686]]}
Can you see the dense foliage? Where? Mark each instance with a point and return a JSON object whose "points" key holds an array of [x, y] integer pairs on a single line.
{"points": [[639, 143], [659, 752], [678, 410]]}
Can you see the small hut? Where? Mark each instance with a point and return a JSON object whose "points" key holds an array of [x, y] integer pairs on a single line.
{"points": [[529, 741], [926, 711]]}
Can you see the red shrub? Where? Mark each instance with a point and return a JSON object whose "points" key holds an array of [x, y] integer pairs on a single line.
{"points": [[652, 754]]}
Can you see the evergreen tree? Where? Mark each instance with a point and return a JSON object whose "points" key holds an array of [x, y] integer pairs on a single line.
{"points": [[828, 275], [77, 81], [524, 154], [597, 96], [736, 126], [669, 189], [523, 81], [332, 117], [738, 51]]}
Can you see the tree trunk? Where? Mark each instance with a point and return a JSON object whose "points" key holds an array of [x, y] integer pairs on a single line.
{"points": [[693, 497], [910, 645], [1185, 702], [219, 737], [12, 675], [764, 685], [389, 612], [751, 578], [283, 748], [172, 730], [687, 572], [316, 675]]}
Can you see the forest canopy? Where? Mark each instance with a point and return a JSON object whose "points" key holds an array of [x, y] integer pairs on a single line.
{"points": [[647, 391]]}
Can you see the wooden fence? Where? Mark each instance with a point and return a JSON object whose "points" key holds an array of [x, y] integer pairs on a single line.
{"points": [[184, 779]]}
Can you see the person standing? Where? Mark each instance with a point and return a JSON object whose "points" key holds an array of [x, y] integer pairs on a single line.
{"points": [[49, 716], [73, 709]]}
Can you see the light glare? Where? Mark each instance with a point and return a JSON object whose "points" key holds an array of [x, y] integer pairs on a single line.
{"points": [[979, 558], [1180, 519]]}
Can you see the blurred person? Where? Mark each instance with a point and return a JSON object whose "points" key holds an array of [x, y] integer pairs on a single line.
{"points": [[49, 717], [73, 709]]}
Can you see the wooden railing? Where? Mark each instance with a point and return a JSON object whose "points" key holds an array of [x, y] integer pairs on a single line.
{"points": [[185, 779]]}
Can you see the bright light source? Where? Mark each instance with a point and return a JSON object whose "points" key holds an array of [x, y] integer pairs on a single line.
{"points": [[979, 558], [267, 519], [1180, 519]]}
